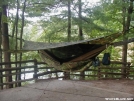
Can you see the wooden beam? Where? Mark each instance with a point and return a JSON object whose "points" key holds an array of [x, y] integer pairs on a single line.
{"points": [[112, 73], [122, 42], [17, 68], [5, 75], [45, 73], [5, 63]]}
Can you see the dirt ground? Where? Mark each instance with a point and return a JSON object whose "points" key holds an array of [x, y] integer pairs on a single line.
{"points": [[124, 85], [71, 90]]}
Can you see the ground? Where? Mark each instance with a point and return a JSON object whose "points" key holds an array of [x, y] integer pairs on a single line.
{"points": [[124, 85], [67, 90]]}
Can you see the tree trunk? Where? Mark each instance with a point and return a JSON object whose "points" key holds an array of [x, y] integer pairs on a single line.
{"points": [[5, 43], [1, 79], [69, 20], [16, 41], [126, 25], [21, 34], [80, 21]]}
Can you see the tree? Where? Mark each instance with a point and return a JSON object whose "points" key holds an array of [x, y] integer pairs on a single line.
{"points": [[69, 20], [5, 42], [1, 79], [80, 20], [21, 35], [127, 12]]}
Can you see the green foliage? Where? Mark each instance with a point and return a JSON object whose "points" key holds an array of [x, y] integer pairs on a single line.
{"points": [[4, 19], [98, 20]]}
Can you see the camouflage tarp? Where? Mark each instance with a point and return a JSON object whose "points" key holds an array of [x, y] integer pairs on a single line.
{"points": [[30, 45]]}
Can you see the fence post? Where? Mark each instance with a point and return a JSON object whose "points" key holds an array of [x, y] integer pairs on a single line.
{"points": [[66, 75], [1, 79], [99, 72], [82, 75], [124, 65], [56, 75], [35, 70], [127, 70]]}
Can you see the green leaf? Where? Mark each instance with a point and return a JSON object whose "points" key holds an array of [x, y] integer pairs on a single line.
{"points": [[4, 19]]}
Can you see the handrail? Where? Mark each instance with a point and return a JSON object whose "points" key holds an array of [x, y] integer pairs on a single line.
{"points": [[5, 63], [100, 72]]}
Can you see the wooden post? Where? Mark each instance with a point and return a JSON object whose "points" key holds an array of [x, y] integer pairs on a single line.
{"points": [[127, 70], [82, 75], [124, 70], [56, 75], [1, 78], [35, 70], [99, 69], [66, 75]]}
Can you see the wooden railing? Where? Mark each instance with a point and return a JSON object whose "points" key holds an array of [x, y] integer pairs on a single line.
{"points": [[31, 67], [116, 72], [113, 71], [39, 70], [15, 72]]}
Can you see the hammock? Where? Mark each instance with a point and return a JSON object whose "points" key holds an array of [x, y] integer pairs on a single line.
{"points": [[71, 56]]}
